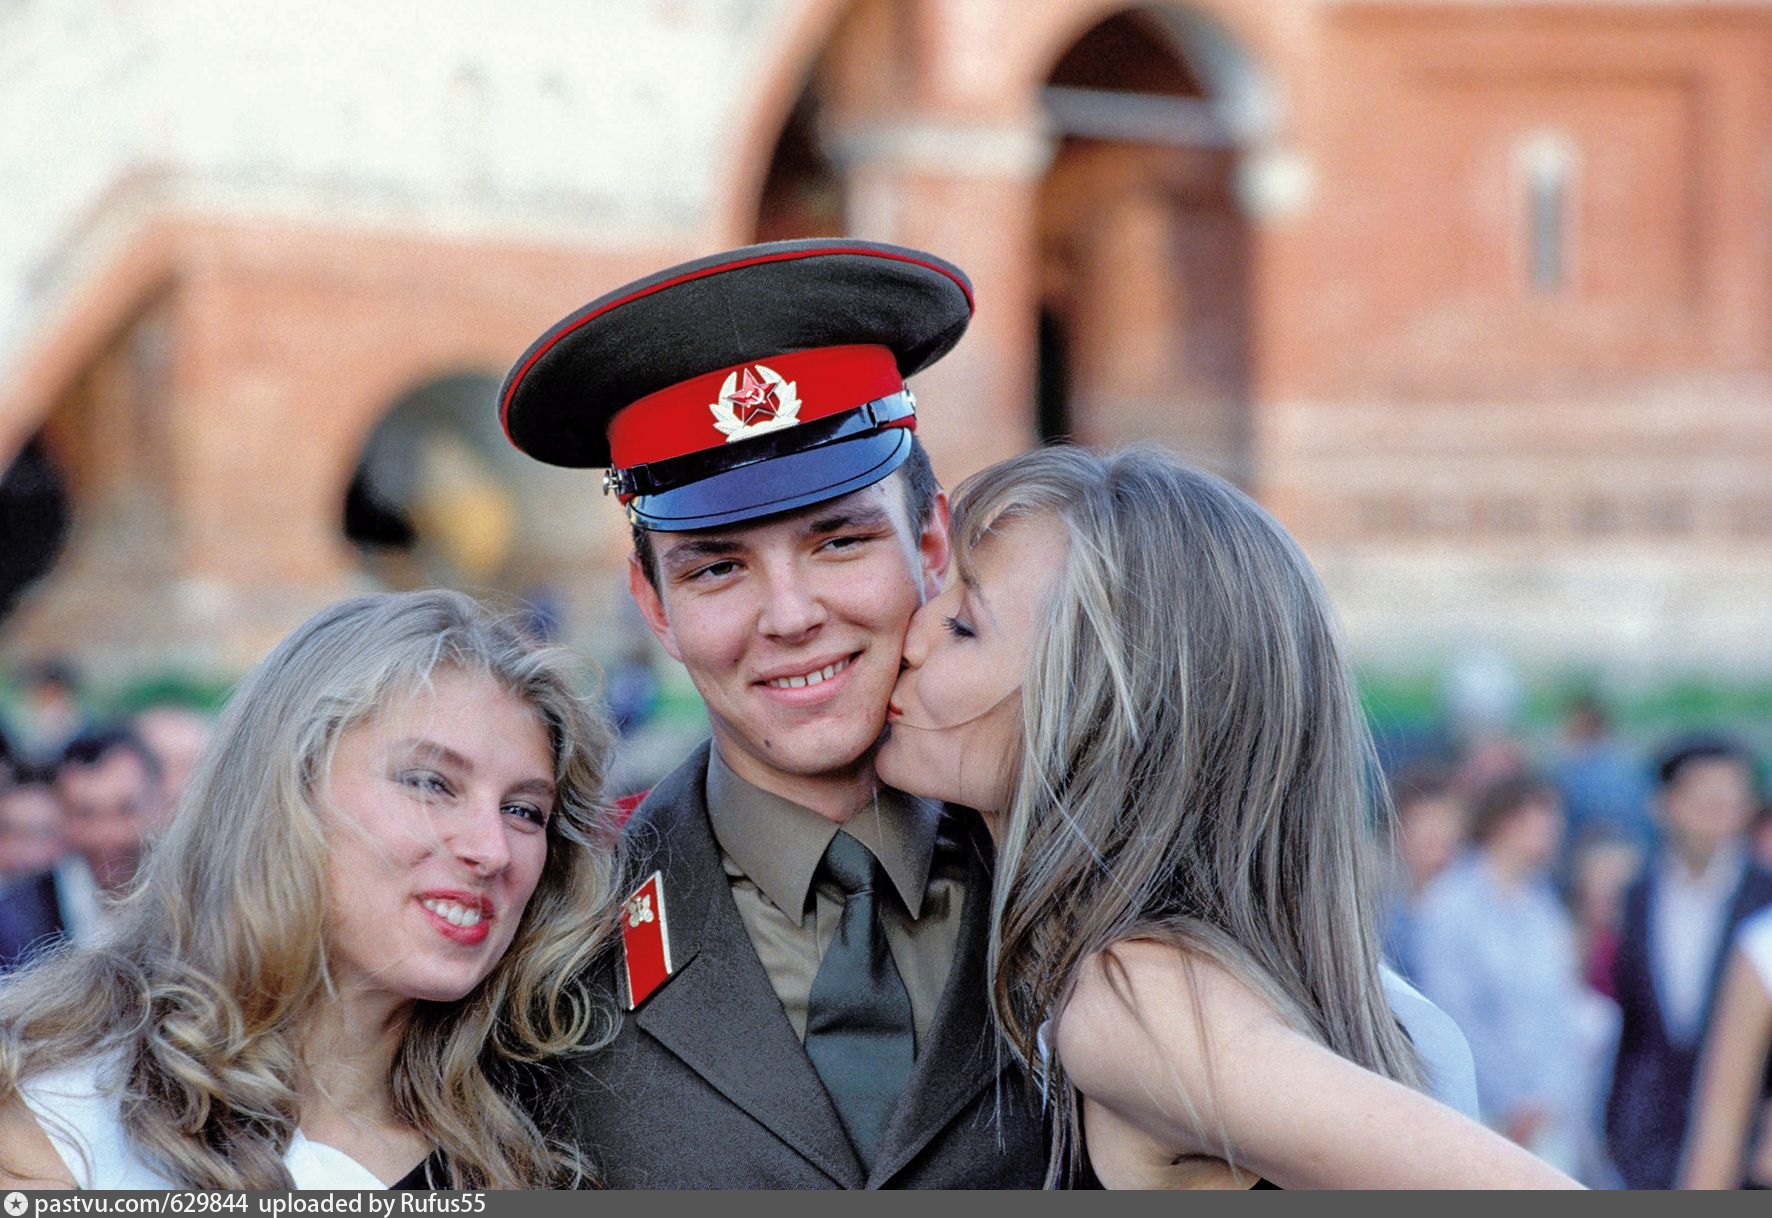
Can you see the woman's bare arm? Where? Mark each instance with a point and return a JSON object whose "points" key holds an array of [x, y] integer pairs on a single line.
{"points": [[27, 1158], [1179, 1050], [1728, 1079]]}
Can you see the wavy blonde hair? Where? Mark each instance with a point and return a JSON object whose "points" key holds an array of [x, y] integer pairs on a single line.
{"points": [[1194, 766], [204, 987]]}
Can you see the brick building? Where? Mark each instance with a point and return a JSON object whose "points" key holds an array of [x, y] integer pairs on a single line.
{"points": [[1477, 296]]}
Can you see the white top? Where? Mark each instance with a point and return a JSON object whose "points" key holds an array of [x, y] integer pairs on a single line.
{"points": [[1754, 938], [1439, 1042], [84, 1122], [1688, 918]]}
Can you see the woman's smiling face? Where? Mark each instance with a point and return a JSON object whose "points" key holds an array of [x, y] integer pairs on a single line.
{"points": [[436, 812], [954, 724]]}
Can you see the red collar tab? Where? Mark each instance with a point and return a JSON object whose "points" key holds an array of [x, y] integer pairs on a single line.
{"points": [[750, 399], [645, 940]]}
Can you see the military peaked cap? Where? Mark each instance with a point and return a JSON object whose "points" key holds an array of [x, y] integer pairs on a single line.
{"points": [[741, 385]]}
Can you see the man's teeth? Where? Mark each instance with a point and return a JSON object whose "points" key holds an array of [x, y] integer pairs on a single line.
{"points": [[456, 914], [811, 678]]}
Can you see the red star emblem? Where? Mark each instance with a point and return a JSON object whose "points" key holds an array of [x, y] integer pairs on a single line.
{"points": [[754, 400]]}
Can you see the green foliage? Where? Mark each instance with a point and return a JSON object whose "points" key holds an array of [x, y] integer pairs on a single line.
{"points": [[181, 689], [1646, 714]]}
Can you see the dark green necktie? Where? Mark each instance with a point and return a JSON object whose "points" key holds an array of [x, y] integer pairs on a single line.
{"points": [[858, 1015]]}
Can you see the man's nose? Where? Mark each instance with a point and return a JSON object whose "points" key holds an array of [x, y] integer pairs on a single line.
{"points": [[794, 607]]}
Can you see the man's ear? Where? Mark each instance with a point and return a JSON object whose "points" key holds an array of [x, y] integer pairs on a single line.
{"points": [[651, 606], [935, 547]]}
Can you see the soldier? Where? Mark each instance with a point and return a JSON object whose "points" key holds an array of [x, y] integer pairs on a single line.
{"points": [[802, 984]]}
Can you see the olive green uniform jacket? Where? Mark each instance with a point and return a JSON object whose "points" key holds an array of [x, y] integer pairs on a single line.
{"points": [[706, 1084]]}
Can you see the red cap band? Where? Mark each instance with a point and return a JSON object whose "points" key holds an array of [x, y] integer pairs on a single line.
{"points": [[750, 399]]}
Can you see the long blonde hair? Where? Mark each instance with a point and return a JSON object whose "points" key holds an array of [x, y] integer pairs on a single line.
{"points": [[1194, 766], [218, 958]]}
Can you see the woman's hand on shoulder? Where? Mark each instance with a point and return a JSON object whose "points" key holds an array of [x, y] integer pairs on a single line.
{"points": [[1180, 1049], [27, 1157]]}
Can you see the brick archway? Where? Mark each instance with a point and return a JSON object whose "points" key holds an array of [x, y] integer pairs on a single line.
{"points": [[92, 314], [286, 343], [1039, 33], [934, 121], [1144, 246], [758, 127]]}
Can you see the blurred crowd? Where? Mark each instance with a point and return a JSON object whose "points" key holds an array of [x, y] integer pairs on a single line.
{"points": [[1574, 906], [80, 799]]}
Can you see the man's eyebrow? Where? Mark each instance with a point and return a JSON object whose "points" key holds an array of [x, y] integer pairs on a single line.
{"points": [[687, 553], [858, 517]]}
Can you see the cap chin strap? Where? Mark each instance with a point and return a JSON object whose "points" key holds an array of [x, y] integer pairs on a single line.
{"points": [[894, 410]]}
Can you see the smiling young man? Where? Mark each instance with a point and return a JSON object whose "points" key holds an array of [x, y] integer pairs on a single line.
{"points": [[802, 977]]}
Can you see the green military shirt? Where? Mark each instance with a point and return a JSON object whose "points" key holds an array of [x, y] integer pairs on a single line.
{"points": [[771, 847]]}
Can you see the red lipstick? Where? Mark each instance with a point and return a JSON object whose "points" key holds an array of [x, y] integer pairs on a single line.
{"points": [[475, 906]]}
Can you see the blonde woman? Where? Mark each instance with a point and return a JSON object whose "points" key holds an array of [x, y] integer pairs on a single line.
{"points": [[364, 919], [1136, 681]]}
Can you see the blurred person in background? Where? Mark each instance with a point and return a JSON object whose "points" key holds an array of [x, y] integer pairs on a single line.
{"points": [[1680, 915], [632, 685], [108, 784], [32, 836], [1730, 1141], [1602, 868], [1604, 784], [1482, 695], [176, 734], [1430, 830], [1495, 949], [1484, 763], [47, 713], [1761, 835]]}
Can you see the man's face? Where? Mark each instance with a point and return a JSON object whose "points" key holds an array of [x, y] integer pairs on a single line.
{"points": [[177, 737], [1432, 828], [1708, 804], [109, 806], [792, 628], [31, 836], [1533, 832]]}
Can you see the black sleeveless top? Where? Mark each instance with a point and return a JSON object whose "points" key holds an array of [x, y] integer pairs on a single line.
{"points": [[1086, 1178], [433, 1167]]}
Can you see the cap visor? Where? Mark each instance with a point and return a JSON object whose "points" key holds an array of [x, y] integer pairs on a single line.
{"points": [[781, 484]]}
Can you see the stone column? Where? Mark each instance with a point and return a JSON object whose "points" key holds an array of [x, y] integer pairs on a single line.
{"points": [[966, 190]]}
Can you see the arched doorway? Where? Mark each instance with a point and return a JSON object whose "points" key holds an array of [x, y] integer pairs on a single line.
{"points": [[439, 497], [34, 512], [1144, 252], [87, 540], [428, 502], [862, 74], [802, 191]]}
